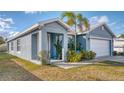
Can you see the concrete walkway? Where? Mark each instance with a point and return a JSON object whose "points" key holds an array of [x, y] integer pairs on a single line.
{"points": [[88, 62], [66, 65], [111, 58]]}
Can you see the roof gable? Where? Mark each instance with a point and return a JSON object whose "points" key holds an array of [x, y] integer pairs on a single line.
{"points": [[39, 25], [98, 28]]}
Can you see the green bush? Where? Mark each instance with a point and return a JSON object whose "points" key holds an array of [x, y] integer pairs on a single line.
{"points": [[44, 57], [73, 56], [3, 48], [89, 55], [115, 53]]}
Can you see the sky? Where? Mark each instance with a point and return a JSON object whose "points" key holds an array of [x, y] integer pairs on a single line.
{"points": [[14, 22]]}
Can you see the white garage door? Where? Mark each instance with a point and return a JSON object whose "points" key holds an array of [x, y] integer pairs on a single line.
{"points": [[100, 47]]}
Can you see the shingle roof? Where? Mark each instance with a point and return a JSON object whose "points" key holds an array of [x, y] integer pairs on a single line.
{"points": [[39, 25]]}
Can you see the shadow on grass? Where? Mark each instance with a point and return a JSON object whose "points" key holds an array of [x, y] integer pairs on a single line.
{"points": [[11, 71], [113, 63]]}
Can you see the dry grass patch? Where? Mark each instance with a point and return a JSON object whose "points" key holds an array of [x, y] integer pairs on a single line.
{"points": [[99, 71]]}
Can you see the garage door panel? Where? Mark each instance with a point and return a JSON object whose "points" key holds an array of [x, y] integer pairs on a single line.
{"points": [[101, 47]]}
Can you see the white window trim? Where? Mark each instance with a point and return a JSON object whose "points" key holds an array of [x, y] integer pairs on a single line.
{"points": [[18, 51]]}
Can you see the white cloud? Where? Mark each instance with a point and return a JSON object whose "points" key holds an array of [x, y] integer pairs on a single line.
{"points": [[96, 20], [112, 24], [6, 28], [103, 19], [93, 20], [32, 12]]}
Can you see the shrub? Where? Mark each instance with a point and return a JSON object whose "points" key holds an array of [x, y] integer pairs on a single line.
{"points": [[90, 55], [3, 48], [120, 54], [44, 57], [72, 56], [114, 53]]}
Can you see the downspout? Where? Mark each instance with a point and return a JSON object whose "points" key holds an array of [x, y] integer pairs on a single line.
{"points": [[87, 41], [75, 35]]}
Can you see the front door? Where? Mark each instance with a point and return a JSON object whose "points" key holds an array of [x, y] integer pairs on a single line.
{"points": [[55, 45]]}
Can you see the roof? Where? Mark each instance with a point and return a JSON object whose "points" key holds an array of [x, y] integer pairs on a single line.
{"points": [[98, 25], [39, 25]]}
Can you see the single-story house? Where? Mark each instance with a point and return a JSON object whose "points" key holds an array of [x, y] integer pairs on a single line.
{"points": [[119, 45], [53, 34], [41, 37], [98, 39]]}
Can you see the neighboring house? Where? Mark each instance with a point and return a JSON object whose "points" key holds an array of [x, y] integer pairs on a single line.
{"points": [[98, 39], [40, 37], [119, 44]]}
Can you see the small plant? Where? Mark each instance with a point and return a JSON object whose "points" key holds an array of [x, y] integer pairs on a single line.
{"points": [[3, 48], [44, 57], [114, 53], [72, 56], [71, 44], [58, 46], [90, 55]]}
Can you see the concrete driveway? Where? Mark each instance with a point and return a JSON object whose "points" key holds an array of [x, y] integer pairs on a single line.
{"points": [[111, 58]]}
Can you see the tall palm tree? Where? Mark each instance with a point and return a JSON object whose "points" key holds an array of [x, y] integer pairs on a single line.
{"points": [[82, 21], [75, 20]]}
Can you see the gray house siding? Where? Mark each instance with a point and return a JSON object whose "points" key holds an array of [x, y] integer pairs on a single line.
{"points": [[102, 33], [30, 42], [99, 32], [25, 43], [54, 28]]}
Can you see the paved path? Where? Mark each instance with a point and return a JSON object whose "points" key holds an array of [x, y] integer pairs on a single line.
{"points": [[88, 62], [111, 58], [10, 71], [70, 65]]}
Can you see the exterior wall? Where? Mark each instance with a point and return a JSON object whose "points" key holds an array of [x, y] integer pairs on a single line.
{"points": [[54, 28], [25, 43], [99, 32]]}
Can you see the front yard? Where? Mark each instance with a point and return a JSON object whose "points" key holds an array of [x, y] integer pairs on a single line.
{"points": [[13, 68]]}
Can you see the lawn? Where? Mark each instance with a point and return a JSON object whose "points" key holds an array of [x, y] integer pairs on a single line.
{"points": [[99, 71], [10, 71]]}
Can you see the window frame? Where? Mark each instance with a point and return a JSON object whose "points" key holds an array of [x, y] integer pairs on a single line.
{"points": [[18, 45], [12, 46]]}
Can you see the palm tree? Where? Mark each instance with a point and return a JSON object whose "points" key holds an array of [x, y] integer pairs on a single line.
{"points": [[75, 20], [82, 21]]}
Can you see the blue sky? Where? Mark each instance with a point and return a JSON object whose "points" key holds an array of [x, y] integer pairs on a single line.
{"points": [[13, 22]]}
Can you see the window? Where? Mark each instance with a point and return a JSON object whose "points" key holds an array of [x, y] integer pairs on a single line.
{"points": [[11, 45], [18, 45]]}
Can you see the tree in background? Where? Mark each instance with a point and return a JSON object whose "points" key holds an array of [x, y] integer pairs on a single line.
{"points": [[121, 36], [76, 20], [2, 41]]}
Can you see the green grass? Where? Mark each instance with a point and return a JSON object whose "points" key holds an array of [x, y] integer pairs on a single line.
{"points": [[5, 56], [27, 64], [106, 70], [9, 70]]}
